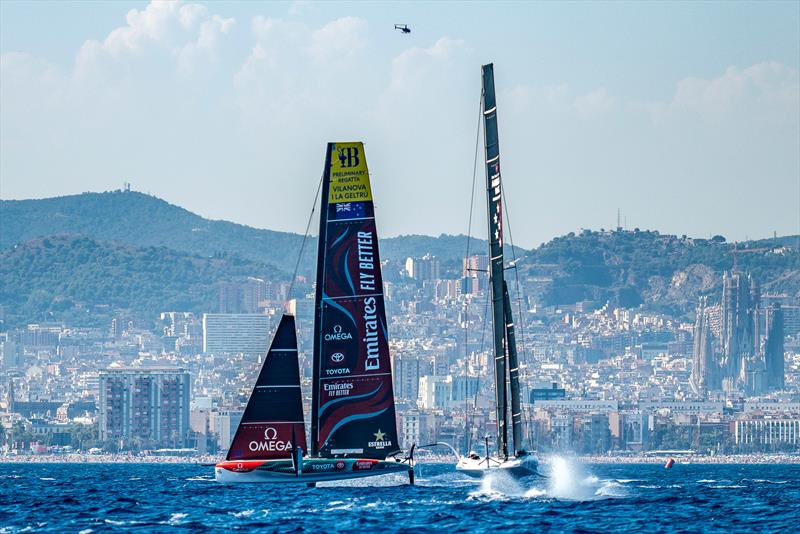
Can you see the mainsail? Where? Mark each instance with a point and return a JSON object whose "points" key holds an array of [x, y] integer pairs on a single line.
{"points": [[353, 409], [272, 423], [506, 368]]}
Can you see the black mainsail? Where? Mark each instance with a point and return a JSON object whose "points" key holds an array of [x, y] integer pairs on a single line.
{"points": [[505, 353], [272, 423], [353, 412]]}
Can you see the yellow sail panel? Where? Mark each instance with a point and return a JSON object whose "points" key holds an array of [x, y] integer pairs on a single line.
{"points": [[349, 174]]}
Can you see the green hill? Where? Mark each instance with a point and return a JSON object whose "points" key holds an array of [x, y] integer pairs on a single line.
{"points": [[665, 272], [139, 220], [136, 219], [80, 280], [139, 252]]}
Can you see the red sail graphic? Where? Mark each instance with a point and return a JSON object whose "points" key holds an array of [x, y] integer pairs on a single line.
{"points": [[353, 403], [272, 423]]}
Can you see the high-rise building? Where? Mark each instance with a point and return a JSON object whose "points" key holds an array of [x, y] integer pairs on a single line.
{"points": [[773, 346], [145, 407], [230, 298], [235, 332], [407, 369], [10, 352], [474, 265], [424, 268], [224, 424], [475, 274], [255, 293]]}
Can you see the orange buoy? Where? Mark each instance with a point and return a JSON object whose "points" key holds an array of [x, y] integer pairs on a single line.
{"points": [[669, 464]]}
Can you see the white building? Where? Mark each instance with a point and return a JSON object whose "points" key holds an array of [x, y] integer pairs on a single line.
{"points": [[224, 425], [435, 392], [771, 406], [236, 332], [687, 407], [578, 405], [413, 428], [144, 407], [767, 432]]}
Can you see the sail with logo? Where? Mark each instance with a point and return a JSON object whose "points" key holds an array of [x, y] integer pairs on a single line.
{"points": [[353, 411], [272, 422], [353, 429]]}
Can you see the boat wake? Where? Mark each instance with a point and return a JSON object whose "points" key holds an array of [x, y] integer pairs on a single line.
{"points": [[566, 479]]}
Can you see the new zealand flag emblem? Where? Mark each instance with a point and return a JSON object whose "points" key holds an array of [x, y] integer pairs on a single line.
{"points": [[350, 210]]}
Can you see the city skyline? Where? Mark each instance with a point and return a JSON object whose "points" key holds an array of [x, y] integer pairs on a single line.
{"points": [[590, 124]]}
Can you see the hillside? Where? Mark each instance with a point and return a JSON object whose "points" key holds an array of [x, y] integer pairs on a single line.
{"points": [[662, 271], [69, 277], [139, 220], [131, 250]]}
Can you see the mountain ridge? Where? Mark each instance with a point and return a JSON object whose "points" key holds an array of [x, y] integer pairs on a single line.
{"points": [[139, 219], [629, 268]]}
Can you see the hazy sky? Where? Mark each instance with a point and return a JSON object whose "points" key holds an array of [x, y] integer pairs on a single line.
{"points": [[686, 116]]}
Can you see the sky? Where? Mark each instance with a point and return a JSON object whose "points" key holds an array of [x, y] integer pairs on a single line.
{"points": [[685, 117]]}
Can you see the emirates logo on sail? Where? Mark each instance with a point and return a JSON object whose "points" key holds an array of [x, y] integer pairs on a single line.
{"points": [[271, 443], [338, 335]]}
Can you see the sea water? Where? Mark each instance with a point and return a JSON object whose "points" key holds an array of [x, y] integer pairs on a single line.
{"points": [[595, 498]]}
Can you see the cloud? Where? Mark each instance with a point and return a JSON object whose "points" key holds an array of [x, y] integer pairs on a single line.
{"points": [[594, 103], [769, 90], [294, 71], [187, 31], [417, 63], [340, 39]]}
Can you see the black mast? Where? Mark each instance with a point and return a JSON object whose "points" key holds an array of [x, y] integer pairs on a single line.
{"points": [[513, 372], [495, 219], [323, 229]]}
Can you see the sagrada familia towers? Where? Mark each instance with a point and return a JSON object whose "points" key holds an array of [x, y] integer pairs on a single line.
{"points": [[730, 351]]}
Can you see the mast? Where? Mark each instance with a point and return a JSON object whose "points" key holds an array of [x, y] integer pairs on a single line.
{"points": [[495, 220], [513, 372]]}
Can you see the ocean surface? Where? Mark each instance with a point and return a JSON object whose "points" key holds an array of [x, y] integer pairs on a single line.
{"points": [[595, 498]]}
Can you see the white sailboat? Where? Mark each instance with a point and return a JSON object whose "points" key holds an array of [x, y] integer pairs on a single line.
{"points": [[517, 461]]}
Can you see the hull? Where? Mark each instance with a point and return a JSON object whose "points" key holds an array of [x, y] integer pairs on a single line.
{"points": [[517, 467], [313, 470]]}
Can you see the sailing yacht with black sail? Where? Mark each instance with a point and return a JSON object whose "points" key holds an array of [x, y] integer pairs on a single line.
{"points": [[517, 461], [353, 429]]}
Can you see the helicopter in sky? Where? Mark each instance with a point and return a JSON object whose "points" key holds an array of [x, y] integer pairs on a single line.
{"points": [[403, 28]]}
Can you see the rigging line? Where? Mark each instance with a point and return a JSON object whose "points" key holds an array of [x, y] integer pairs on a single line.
{"points": [[478, 382], [303, 244], [466, 258]]}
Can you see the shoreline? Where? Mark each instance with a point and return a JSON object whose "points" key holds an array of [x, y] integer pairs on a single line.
{"points": [[744, 459]]}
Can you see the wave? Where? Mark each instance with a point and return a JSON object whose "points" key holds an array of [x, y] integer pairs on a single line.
{"points": [[243, 513], [175, 519], [566, 480]]}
